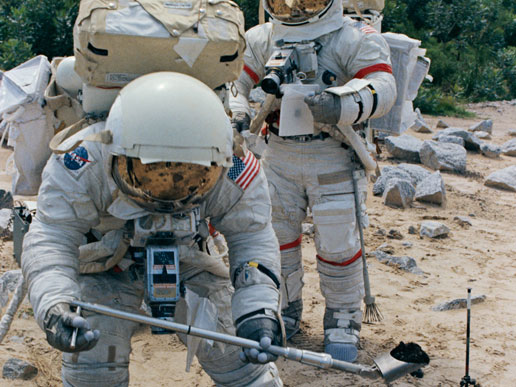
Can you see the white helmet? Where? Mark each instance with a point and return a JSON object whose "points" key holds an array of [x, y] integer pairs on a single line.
{"points": [[67, 78], [171, 141]]}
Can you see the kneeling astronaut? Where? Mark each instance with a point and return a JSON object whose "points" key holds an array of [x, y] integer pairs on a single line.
{"points": [[159, 168]]}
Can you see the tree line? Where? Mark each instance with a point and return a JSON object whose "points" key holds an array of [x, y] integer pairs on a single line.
{"points": [[471, 43]]}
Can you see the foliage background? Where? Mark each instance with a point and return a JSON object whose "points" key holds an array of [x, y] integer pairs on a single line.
{"points": [[472, 43]]}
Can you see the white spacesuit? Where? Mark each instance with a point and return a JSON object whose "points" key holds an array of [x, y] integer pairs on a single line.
{"points": [[161, 162], [313, 168]]}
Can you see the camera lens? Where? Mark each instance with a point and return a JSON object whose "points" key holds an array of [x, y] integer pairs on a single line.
{"points": [[271, 83]]}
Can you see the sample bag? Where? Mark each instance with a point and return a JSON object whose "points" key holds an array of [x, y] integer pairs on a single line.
{"points": [[116, 41]]}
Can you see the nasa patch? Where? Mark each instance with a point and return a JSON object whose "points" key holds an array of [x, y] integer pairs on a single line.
{"points": [[76, 161]]}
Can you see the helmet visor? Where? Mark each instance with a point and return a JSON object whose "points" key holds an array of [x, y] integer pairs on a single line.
{"points": [[296, 11], [167, 185]]}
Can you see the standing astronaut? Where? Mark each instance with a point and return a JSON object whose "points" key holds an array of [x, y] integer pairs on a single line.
{"points": [[314, 168], [161, 166]]}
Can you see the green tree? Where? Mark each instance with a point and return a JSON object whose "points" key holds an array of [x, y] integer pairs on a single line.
{"points": [[33, 27]]}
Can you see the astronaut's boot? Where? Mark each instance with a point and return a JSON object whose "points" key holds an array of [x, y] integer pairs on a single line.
{"points": [[342, 333], [292, 317]]}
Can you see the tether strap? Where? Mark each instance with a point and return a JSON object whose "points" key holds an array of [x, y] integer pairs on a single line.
{"points": [[262, 268], [375, 99], [104, 137]]}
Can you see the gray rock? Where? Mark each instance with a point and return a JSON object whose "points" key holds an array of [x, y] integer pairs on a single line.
{"points": [[471, 142], [483, 135], [380, 232], [6, 199], [17, 339], [509, 148], [482, 126], [442, 124], [420, 127], [18, 369], [411, 172], [490, 150], [388, 173], [451, 139], [386, 248], [394, 234], [8, 283], [307, 228], [6, 226], [512, 132], [412, 230], [503, 178], [404, 263], [407, 244], [433, 229], [404, 147], [257, 95], [398, 193], [462, 221], [416, 172], [431, 190], [458, 303], [443, 156]]}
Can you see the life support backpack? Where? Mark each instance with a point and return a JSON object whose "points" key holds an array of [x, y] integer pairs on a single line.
{"points": [[116, 41], [363, 5]]}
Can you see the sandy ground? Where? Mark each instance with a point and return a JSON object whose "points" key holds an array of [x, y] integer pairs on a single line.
{"points": [[480, 256]]}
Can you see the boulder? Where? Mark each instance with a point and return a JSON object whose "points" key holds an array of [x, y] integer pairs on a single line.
{"points": [[257, 95], [404, 147], [404, 263], [420, 127], [458, 303], [503, 178], [18, 369], [433, 229], [443, 156], [463, 221], [512, 132], [442, 124], [398, 193], [451, 139], [509, 148], [482, 126], [416, 172], [490, 150], [431, 190], [483, 135], [471, 142], [388, 173]]}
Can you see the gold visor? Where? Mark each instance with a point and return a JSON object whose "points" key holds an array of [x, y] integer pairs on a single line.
{"points": [[164, 181]]}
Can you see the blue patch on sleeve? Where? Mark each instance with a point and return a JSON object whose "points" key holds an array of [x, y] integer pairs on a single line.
{"points": [[76, 159]]}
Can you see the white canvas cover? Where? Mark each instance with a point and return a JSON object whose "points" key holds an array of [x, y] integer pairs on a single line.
{"points": [[409, 66], [25, 123]]}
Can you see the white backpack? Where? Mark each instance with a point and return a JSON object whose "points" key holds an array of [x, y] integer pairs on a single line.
{"points": [[116, 41]]}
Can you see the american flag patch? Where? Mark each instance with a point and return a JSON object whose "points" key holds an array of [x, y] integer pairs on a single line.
{"points": [[365, 28], [244, 170]]}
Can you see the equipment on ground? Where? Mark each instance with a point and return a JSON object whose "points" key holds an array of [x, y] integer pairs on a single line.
{"points": [[387, 367], [467, 380]]}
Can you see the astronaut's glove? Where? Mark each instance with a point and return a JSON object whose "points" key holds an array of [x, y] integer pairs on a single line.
{"points": [[325, 107], [264, 329], [240, 121], [60, 324]]}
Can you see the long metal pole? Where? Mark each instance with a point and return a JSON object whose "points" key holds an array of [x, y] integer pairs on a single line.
{"points": [[468, 332], [321, 360]]}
